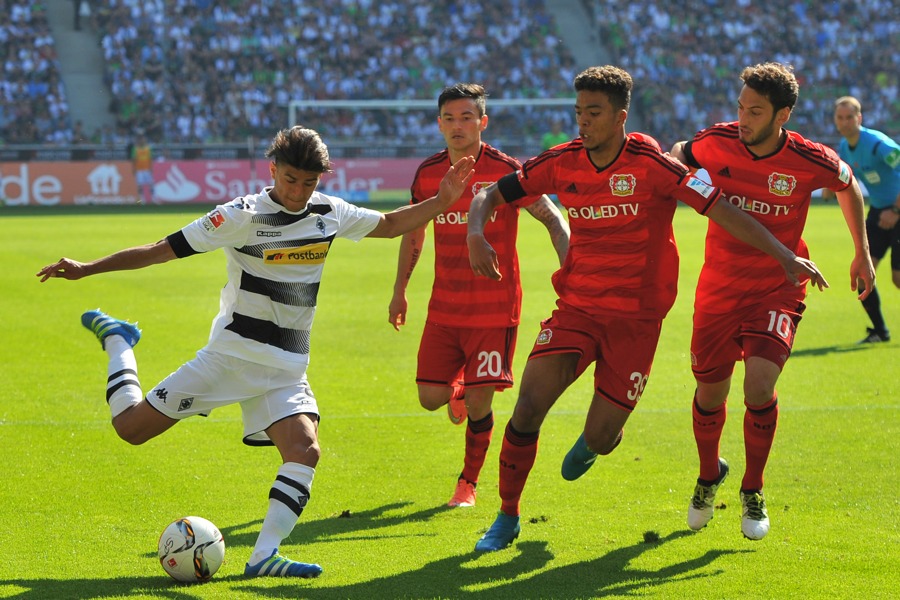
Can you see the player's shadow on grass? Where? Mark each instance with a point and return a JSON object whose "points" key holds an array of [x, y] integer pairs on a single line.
{"points": [[331, 528], [524, 575], [525, 572], [841, 349], [345, 526]]}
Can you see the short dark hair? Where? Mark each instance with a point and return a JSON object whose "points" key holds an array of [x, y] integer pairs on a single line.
{"points": [[775, 81], [850, 101], [612, 81], [458, 91], [301, 148]]}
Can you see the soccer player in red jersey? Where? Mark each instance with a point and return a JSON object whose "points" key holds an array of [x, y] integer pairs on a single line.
{"points": [[618, 281], [467, 345], [744, 309]]}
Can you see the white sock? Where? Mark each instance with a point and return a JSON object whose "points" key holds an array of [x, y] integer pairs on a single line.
{"points": [[123, 390], [287, 498]]}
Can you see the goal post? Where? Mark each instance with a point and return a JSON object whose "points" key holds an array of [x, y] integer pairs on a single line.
{"points": [[294, 106], [377, 145], [406, 127]]}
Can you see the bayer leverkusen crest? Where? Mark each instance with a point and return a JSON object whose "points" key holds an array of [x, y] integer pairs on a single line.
{"points": [[478, 186], [782, 185], [622, 185]]}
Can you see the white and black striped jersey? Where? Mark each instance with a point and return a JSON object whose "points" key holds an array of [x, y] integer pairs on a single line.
{"points": [[275, 260]]}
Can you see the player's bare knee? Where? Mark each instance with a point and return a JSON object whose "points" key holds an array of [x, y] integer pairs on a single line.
{"points": [[312, 453], [430, 402], [896, 278], [529, 414], [129, 433], [758, 394], [305, 452]]}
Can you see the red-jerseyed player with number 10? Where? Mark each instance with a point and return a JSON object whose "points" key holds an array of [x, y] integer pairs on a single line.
{"points": [[744, 310], [618, 281], [468, 342]]}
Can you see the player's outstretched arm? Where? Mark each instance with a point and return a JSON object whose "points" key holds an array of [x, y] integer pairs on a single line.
{"points": [[406, 218], [482, 255], [137, 257], [798, 270], [546, 212], [861, 268], [410, 251]]}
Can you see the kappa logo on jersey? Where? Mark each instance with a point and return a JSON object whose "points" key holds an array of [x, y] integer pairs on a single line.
{"points": [[313, 254], [700, 186], [268, 234], [480, 185], [320, 225], [893, 159], [622, 185], [213, 220], [846, 174], [782, 185], [544, 336]]}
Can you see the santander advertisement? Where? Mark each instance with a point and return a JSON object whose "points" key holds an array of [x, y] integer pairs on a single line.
{"points": [[190, 181]]}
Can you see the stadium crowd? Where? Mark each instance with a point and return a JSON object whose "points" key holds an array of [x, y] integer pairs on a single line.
{"points": [[195, 71], [685, 56], [206, 71], [33, 105]]}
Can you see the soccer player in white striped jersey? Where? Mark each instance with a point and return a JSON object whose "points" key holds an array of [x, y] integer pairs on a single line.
{"points": [[276, 243]]}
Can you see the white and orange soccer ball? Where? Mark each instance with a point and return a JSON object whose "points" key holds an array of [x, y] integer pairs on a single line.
{"points": [[191, 549]]}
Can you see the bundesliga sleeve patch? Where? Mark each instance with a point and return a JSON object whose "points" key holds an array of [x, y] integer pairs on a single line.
{"points": [[893, 159], [845, 174], [700, 186], [213, 220]]}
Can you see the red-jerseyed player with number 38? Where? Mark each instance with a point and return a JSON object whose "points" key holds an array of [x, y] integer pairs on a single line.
{"points": [[618, 281], [744, 310]]}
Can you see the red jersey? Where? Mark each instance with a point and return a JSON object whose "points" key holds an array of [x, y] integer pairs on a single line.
{"points": [[458, 297], [776, 191], [622, 258]]}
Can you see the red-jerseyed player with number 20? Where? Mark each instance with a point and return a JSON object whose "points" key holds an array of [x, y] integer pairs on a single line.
{"points": [[744, 309], [469, 339]]}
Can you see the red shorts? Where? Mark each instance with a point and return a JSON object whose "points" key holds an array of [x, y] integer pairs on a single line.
{"points": [[762, 330], [622, 349], [475, 357]]}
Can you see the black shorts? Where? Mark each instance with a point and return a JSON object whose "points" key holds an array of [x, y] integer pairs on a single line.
{"points": [[882, 240]]}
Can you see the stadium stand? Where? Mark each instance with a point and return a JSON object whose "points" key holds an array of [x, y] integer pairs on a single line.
{"points": [[194, 71], [686, 57], [205, 71], [33, 105]]}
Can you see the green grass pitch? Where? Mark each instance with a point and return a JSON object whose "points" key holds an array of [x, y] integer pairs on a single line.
{"points": [[81, 511]]}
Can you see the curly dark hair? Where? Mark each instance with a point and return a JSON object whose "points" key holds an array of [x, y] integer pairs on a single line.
{"points": [[301, 148], [612, 81], [775, 81]]}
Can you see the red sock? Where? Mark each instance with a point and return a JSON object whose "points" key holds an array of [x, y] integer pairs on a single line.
{"points": [[760, 423], [517, 455], [708, 426], [478, 438]]}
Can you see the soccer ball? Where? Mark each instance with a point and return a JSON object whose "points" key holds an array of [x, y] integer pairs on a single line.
{"points": [[191, 549]]}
